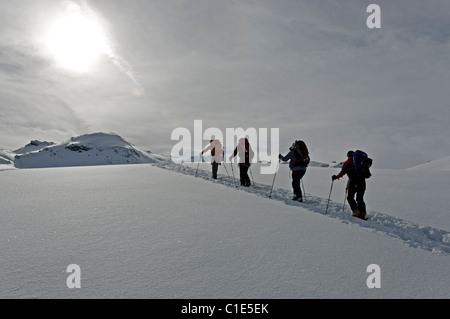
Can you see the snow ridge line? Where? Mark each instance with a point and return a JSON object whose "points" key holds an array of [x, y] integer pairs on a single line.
{"points": [[414, 235]]}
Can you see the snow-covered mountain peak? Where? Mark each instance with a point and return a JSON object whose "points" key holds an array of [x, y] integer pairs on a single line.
{"points": [[87, 150]]}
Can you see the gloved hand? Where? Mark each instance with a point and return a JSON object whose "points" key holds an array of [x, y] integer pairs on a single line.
{"points": [[280, 156], [334, 177]]}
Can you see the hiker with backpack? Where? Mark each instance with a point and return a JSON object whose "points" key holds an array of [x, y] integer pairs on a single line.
{"points": [[217, 155], [299, 160], [246, 155], [345, 169], [357, 169]]}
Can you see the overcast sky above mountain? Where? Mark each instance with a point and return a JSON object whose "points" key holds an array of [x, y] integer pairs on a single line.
{"points": [[311, 68]]}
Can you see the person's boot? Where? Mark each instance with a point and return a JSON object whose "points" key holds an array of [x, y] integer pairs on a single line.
{"points": [[356, 213], [362, 215]]}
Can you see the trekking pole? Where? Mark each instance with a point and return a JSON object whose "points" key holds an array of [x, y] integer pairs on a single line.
{"points": [[251, 174], [225, 166], [197, 169], [198, 166], [273, 182], [345, 198], [234, 178], [326, 210], [304, 191]]}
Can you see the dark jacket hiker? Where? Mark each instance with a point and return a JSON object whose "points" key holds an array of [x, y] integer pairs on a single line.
{"points": [[299, 159], [246, 155]]}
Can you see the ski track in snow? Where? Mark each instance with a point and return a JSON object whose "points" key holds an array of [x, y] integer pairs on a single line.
{"points": [[416, 236]]}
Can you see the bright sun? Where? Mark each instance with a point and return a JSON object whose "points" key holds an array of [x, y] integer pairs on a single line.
{"points": [[76, 41]]}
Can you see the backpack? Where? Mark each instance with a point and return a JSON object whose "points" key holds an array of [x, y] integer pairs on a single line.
{"points": [[361, 164], [217, 150], [301, 150]]}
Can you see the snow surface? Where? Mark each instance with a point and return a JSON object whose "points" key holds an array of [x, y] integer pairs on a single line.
{"points": [[169, 231], [442, 164]]}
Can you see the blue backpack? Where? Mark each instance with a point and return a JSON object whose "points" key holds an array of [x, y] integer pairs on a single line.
{"points": [[361, 164]]}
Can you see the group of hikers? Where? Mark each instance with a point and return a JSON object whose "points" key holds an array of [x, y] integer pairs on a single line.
{"points": [[243, 149], [356, 167]]}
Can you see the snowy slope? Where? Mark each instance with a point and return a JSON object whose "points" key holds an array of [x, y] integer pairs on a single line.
{"points": [[395, 198], [157, 231], [86, 150], [6, 157], [33, 146], [4, 161], [442, 164]]}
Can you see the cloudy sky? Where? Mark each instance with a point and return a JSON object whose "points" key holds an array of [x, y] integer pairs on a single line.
{"points": [[142, 68]]}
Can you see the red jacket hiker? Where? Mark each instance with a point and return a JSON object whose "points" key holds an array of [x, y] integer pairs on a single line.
{"points": [[217, 152], [346, 168], [356, 186]]}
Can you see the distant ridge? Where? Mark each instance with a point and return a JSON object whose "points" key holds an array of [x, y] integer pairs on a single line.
{"points": [[84, 150], [33, 146]]}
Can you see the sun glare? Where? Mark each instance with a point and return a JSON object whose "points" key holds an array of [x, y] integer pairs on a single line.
{"points": [[76, 41]]}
